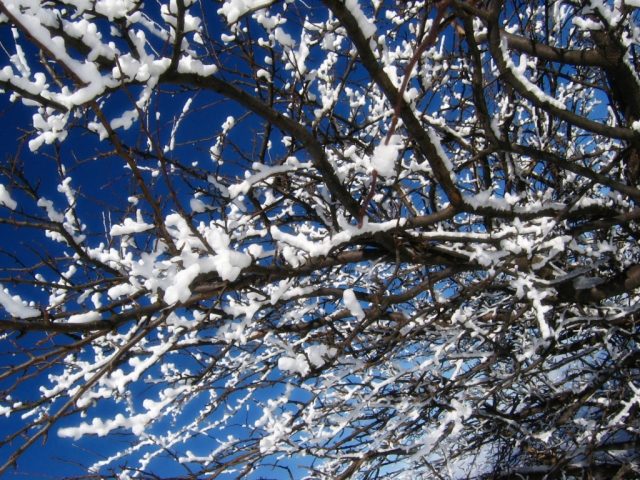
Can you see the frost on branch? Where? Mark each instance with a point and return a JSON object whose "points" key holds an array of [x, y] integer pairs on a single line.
{"points": [[257, 239]]}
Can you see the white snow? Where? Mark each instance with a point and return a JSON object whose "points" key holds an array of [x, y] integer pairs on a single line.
{"points": [[323, 247], [197, 205], [136, 423], [5, 198], [130, 226], [284, 38], [189, 64], [385, 157], [113, 9], [121, 290], [433, 136], [318, 353], [234, 9], [367, 26], [15, 306], [587, 23], [179, 290], [262, 73], [352, 303], [85, 317], [297, 364]]}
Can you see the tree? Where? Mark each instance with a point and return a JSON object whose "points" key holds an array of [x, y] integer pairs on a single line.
{"points": [[387, 239]]}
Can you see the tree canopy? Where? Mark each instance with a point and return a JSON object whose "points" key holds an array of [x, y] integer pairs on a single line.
{"points": [[332, 239]]}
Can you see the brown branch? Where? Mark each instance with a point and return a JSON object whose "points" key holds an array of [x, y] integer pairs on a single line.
{"points": [[584, 58], [623, 283], [363, 208], [605, 223]]}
